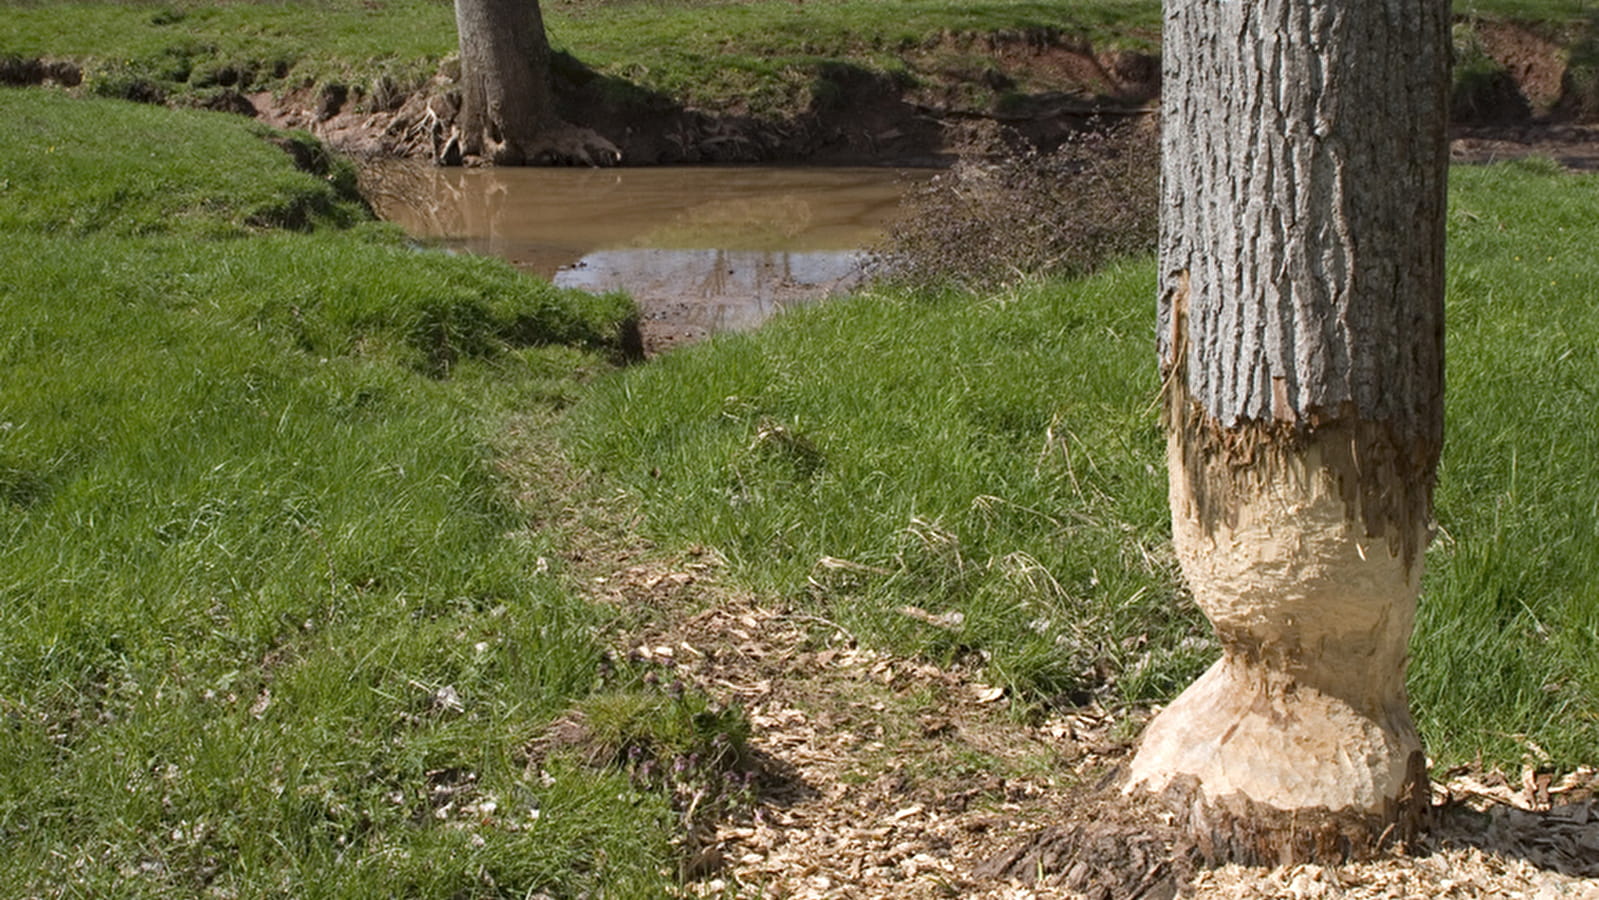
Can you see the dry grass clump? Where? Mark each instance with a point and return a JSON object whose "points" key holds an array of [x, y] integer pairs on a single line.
{"points": [[994, 218]]}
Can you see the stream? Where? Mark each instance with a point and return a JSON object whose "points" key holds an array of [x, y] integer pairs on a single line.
{"points": [[700, 249]]}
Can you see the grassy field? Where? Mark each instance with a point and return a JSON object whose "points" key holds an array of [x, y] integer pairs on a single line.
{"points": [[270, 623], [1510, 617], [764, 56], [999, 457], [993, 457]]}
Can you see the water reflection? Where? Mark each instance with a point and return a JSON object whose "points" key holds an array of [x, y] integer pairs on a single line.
{"points": [[716, 290], [706, 249]]}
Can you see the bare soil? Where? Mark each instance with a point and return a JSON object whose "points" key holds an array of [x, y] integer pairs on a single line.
{"points": [[1572, 145], [1042, 88], [1052, 86], [1534, 62]]}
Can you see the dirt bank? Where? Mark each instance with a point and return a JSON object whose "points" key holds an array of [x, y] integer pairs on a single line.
{"points": [[860, 117], [1519, 89], [1518, 92]]}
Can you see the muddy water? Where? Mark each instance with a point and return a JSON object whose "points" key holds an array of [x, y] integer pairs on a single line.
{"points": [[701, 249]]}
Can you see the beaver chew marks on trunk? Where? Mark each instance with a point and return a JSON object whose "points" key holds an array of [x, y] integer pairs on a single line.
{"points": [[1301, 345]]}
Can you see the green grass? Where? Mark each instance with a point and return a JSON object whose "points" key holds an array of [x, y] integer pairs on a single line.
{"points": [[168, 180], [205, 45], [996, 457], [1553, 12], [999, 457], [768, 57], [251, 532], [1510, 615], [762, 54], [777, 54]]}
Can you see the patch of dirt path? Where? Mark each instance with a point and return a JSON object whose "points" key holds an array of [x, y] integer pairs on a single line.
{"points": [[889, 777]]}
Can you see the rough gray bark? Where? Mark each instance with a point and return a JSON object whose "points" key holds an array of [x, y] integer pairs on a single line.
{"points": [[1301, 342], [1304, 148], [508, 114]]}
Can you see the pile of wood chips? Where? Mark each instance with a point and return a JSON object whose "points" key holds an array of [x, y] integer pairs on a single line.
{"points": [[890, 777]]}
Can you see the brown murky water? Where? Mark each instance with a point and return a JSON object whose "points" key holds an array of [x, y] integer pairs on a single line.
{"points": [[701, 249]]}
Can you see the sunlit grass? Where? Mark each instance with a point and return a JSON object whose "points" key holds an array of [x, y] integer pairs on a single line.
{"points": [[762, 54], [994, 457], [776, 54], [767, 57], [270, 622], [998, 456], [85, 168], [276, 44], [1510, 616]]}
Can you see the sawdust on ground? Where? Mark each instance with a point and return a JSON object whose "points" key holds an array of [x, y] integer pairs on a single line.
{"points": [[892, 777]]}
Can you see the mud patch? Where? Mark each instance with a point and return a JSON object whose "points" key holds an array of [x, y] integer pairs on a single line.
{"points": [[1042, 88], [1572, 146], [1535, 64], [1045, 86], [1062, 65], [21, 72]]}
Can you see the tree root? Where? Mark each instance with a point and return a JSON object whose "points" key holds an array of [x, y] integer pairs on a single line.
{"points": [[560, 144], [1142, 845], [1114, 847], [1234, 829]]}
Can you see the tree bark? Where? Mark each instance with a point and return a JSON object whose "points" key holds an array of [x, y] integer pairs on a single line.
{"points": [[1301, 344], [508, 114]]}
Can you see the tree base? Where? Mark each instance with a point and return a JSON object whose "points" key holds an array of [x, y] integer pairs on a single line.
{"points": [[1235, 829], [559, 144], [1244, 728], [563, 144], [1146, 846], [1114, 847], [1259, 769]]}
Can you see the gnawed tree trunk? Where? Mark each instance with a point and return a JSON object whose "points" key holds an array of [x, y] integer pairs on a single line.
{"points": [[1301, 341], [508, 114]]}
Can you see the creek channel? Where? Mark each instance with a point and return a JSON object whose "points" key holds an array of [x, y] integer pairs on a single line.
{"points": [[700, 249]]}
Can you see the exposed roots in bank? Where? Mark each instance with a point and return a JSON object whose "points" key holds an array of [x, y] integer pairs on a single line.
{"points": [[1528, 86], [560, 144]]}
